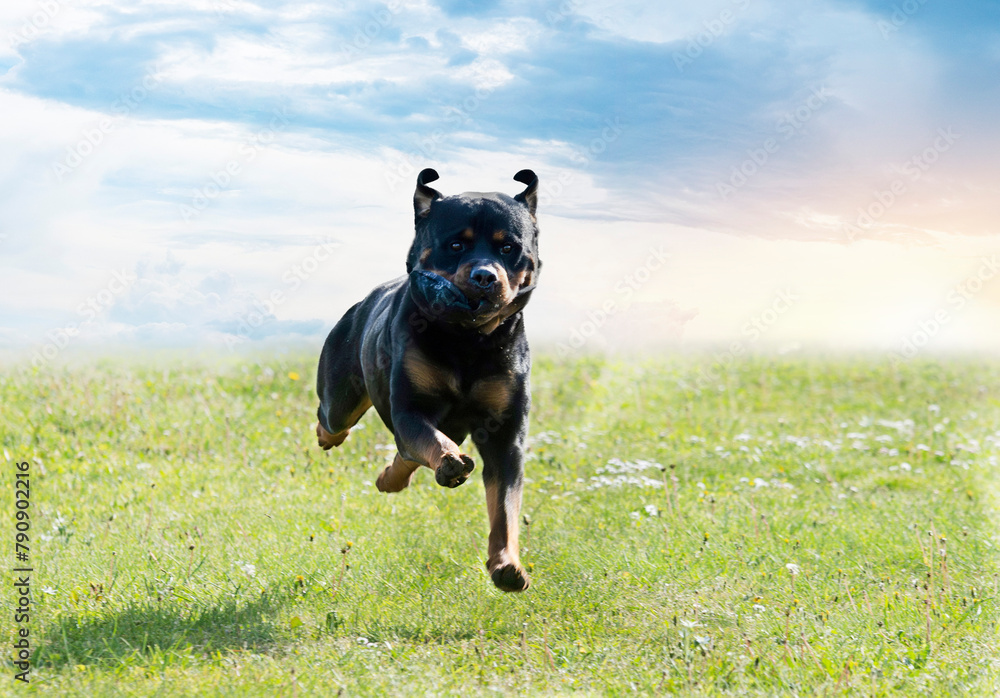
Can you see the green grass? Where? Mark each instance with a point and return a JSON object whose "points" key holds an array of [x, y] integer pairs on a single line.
{"points": [[192, 539]]}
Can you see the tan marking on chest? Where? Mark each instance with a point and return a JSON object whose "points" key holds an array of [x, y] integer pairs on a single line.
{"points": [[493, 393], [428, 377]]}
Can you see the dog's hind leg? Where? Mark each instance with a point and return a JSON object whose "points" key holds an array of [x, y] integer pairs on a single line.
{"points": [[343, 397], [396, 477], [340, 423]]}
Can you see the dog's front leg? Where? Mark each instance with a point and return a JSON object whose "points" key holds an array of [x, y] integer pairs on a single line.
{"points": [[420, 442], [501, 444]]}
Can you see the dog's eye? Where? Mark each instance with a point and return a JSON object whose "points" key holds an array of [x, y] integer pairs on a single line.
{"points": [[456, 246], [506, 249]]}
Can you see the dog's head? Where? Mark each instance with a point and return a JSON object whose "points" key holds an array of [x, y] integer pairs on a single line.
{"points": [[474, 260]]}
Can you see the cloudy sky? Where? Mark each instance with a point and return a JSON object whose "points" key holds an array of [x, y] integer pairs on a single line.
{"points": [[744, 174]]}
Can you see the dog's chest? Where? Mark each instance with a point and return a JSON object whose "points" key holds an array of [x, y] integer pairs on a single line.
{"points": [[482, 387]]}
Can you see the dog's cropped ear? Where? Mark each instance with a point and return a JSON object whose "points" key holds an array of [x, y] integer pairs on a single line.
{"points": [[528, 197], [424, 196]]}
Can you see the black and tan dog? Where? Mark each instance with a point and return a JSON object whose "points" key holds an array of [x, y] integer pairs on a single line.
{"points": [[442, 354]]}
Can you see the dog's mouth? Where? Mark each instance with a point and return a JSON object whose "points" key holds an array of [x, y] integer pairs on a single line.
{"points": [[442, 300]]}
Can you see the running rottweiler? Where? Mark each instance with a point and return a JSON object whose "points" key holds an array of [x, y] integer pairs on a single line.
{"points": [[441, 353]]}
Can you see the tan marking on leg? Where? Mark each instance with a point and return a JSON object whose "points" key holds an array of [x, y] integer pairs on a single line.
{"points": [[396, 476], [359, 412], [327, 440], [493, 393], [431, 450], [504, 555], [439, 453]]}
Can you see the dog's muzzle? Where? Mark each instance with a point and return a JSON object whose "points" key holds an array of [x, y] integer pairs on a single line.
{"points": [[441, 300]]}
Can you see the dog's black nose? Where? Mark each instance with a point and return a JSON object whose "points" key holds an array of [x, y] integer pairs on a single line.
{"points": [[483, 277]]}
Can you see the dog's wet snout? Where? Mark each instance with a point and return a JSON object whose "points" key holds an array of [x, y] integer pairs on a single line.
{"points": [[483, 277]]}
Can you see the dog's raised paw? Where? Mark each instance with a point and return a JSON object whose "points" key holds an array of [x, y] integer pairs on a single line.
{"points": [[510, 578], [453, 471]]}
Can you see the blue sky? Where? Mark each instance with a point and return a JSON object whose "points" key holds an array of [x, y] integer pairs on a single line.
{"points": [[205, 149]]}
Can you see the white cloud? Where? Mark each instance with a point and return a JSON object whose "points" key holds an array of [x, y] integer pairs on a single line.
{"points": [[501, 36]]}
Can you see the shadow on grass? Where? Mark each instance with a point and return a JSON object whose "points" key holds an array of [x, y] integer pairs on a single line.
{"points": [[113, 636]]}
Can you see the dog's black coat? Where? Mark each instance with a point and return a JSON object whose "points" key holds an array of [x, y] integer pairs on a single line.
{"points": [[442, 354]]}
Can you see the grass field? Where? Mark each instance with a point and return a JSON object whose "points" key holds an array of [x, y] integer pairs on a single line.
{"points": [[778, 526]]}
